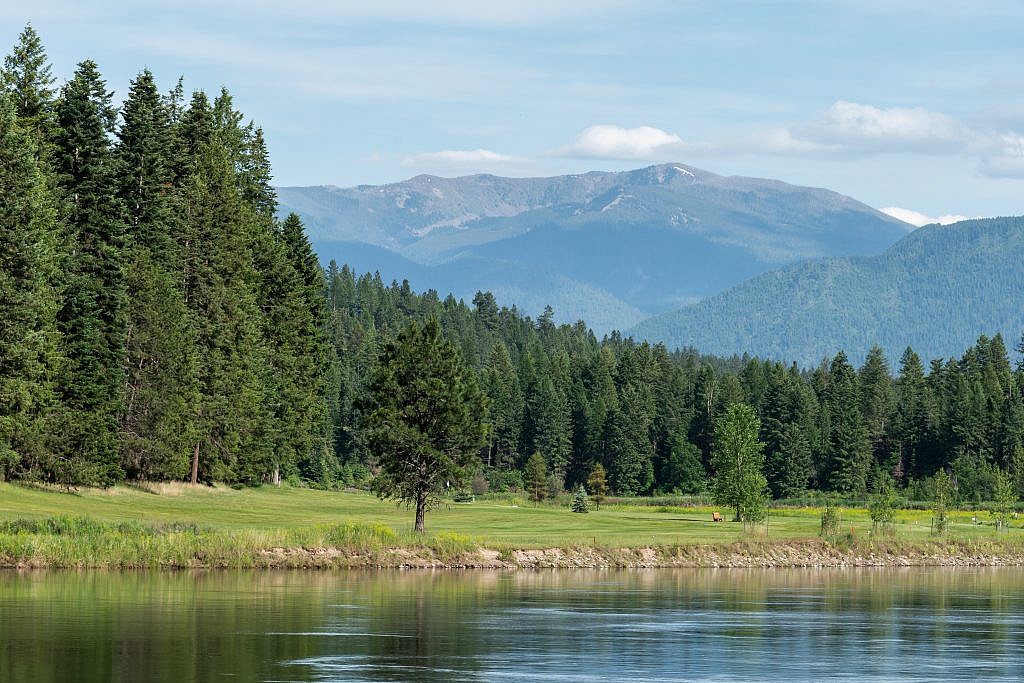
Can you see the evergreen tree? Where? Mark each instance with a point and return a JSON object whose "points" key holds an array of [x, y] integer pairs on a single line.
{"points": [[27, 77], [157, 424], [28, 302], [93, 319], [848, 440], [220, 286], [597, 483], [548, 419], [630, 456], [536, 477], [682, 471], [506, 408], [877, 403], [424, 417], [913, 422], [788, 465], [579, 499]]}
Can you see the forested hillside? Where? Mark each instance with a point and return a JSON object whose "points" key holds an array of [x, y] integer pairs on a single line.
{"points": [[158, 323], [934, 290], [648, 415]]}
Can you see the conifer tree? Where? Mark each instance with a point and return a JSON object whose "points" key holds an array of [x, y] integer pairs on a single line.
{"points": [[536, 477], [27, 77], [221, 284], [93, 318], [298, 330], [157, 425], [597, 484], [549, 424], [579, 499], [505, 406], [28, 302], [848, 440], [682, 471], [877, 403], [425, 418]]}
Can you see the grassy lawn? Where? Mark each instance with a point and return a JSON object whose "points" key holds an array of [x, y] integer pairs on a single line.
{"points": [[488, 522]]}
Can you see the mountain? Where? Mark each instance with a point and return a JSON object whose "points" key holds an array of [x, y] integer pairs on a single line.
{"points": [[610, 247], [936, 290]]}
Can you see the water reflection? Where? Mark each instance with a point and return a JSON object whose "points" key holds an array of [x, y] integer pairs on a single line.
{"points": [[644, 625]]}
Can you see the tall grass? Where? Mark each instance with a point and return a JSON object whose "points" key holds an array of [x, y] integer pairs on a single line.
{"points": [[69, 542]]}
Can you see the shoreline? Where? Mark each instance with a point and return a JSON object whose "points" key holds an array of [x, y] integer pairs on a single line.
{"points": [[810, 553]]}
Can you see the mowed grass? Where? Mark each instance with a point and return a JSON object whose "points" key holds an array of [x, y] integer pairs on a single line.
{"points": [[490, 523]]}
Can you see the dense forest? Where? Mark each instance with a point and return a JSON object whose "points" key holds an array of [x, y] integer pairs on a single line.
{"points": [[934, 290], [158, 321], [648, 415], [161, 322]]}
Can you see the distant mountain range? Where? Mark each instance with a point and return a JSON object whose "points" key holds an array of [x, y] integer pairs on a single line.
{"points": [[609, 248], [936, 290]]}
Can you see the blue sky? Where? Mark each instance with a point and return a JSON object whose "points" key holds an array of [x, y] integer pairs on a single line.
{"points": [[909, 104]]}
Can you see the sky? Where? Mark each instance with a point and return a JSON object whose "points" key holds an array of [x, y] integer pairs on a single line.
{"points": [[912, 105]]}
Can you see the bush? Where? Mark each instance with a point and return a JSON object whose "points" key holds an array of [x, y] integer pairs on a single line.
{"points": [[579, 500], [479, 484], [501, 481], [830, 520]]}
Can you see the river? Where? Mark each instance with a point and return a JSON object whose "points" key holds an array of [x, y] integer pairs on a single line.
{"points": [[637, 626]]}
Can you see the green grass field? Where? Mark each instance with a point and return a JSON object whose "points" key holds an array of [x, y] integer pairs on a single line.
{"points": [[488, 522]]}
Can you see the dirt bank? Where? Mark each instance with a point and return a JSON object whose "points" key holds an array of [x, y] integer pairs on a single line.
{"points": [[793, 553]]}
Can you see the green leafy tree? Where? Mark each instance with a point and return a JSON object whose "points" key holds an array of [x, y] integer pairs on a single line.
{"points": [[830, 519], [1004, 500], [597, 483], [425, 418], [943, 497], [738, 462], [882, 508], [536, 477]]}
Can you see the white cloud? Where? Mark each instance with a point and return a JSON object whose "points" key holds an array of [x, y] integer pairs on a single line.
{"points": [[918, 219], [1008, 160], [643, 143], [862, 127], [457, 157]]}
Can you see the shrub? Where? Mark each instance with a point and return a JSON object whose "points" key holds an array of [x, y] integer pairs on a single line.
{"points": [[579, 499]]}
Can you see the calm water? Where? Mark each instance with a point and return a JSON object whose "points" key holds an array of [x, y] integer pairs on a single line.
{"points": [[664, 625]]}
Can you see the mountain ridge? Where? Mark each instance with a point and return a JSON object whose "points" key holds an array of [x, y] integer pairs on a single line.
{"points": [[650, 238]]}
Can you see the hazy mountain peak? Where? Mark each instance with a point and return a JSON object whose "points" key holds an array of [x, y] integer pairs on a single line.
{"points": [[650, 237]]}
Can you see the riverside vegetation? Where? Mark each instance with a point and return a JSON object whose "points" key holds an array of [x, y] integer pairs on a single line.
{"points": [[162, 323], [196, 527]]}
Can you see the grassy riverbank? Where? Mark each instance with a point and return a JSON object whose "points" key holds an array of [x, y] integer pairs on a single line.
{"points": [[182, 526]]}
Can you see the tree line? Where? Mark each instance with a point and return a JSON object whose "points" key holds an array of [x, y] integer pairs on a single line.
{"points": [[158, 321], [648, 416]]}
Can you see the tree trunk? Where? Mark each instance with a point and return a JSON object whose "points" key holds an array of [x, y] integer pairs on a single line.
{"points": [[277, 475], [421, 511], [195, 465]]}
